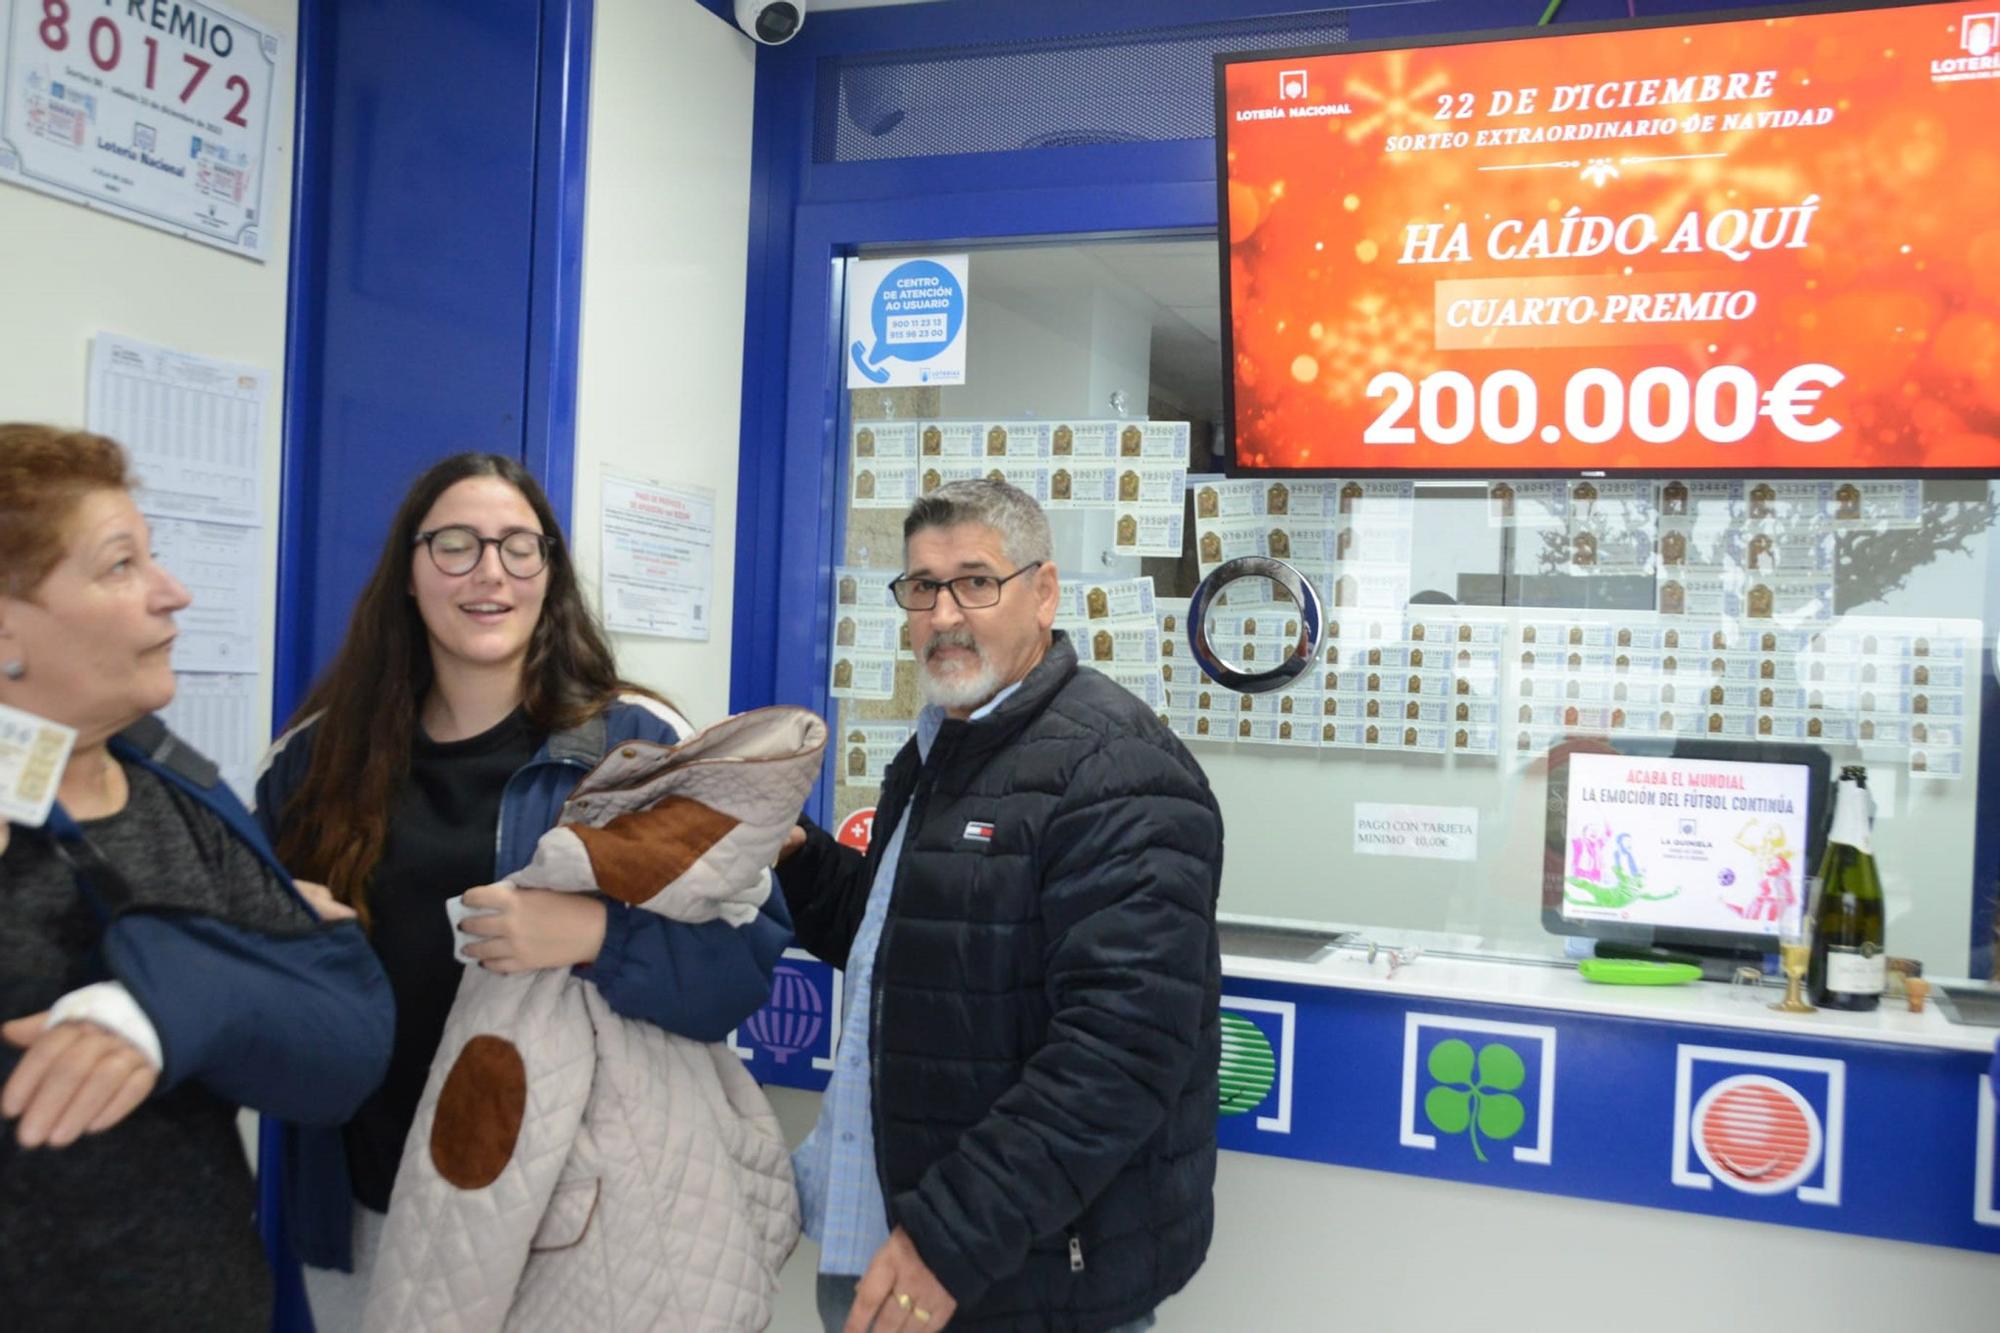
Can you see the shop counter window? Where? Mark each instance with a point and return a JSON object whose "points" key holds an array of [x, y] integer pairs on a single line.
{"points": [[1471, 625]]}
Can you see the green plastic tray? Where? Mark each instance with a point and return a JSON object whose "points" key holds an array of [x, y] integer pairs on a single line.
{"points": [[1636, 972]]}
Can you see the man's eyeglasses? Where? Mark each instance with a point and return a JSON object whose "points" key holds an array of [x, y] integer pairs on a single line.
{"points": [[459, 549], [972, 592]]}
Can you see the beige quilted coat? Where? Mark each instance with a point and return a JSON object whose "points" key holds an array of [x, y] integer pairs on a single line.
{"points": [[573, 1169]]}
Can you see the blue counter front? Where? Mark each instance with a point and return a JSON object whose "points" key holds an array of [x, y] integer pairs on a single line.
{"points": [[1522, 1076]]}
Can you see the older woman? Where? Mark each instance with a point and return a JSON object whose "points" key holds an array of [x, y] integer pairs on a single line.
{"points": [[157, 967]]}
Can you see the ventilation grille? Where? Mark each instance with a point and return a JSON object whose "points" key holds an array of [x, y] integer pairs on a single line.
{"points": [[1128, 88]]}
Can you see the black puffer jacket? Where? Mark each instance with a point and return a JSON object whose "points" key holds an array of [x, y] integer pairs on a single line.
{"points": [[1045, 1037]]}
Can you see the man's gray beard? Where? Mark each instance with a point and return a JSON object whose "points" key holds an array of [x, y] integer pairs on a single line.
{"points": [[961, 689]]}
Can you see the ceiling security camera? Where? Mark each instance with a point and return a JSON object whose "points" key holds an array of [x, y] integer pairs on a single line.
{"points": [[772, 22]]}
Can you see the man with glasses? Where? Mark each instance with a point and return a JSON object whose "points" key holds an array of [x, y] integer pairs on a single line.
{"points": [[1020, 1128]]}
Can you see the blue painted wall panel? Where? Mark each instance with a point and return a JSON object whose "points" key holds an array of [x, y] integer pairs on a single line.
{"points": [[427, 263], [1897, 1129], [424, 233], [1857, 1137], [436, 272]]}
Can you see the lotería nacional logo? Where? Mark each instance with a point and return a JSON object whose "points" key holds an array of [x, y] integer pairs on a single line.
{"points": [[1760, 1123], [1979, 39], [1492, 1084], [1295, 101], [1978, 34]]}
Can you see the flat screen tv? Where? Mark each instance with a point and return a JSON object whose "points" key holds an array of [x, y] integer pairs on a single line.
{"points": [[1763, 242], [1693, 844]]}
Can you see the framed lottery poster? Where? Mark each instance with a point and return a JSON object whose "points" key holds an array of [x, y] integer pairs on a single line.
{"points": [[157, 111]]}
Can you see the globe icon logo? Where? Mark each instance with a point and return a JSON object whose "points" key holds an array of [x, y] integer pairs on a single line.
{"points": [[1727, 877], [792, 1021]]}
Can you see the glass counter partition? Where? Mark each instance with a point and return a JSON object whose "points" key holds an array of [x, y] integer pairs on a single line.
{"points": [[1401, 786]]}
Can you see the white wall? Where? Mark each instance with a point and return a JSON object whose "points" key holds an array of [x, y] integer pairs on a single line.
{"points": [[1049, 350], [666, 244], [68, 273], [1305, 1248], [1048, 347]]}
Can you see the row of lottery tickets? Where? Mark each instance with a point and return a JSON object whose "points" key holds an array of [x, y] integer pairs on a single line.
{"points": [[1436, 681], [1758, 550], [1722, 549], [1136, 469], [1351, 538], [1441, 680]]}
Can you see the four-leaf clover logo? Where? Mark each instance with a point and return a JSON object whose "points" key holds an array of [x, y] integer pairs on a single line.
{"points": [[1475, 1096]]}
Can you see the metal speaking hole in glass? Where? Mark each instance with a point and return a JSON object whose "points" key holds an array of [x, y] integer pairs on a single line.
{"points": [[1303, 650]]}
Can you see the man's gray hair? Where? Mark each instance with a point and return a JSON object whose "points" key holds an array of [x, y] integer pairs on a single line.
{"points": [[1008, 510]]}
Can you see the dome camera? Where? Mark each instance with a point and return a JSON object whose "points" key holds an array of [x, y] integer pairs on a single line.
{"points": [[771, 22]]}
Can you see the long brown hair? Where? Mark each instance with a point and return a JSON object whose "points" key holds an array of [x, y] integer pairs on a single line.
{"points": [[334, 827]]}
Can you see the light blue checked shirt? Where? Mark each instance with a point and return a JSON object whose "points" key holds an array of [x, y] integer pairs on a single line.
{"points": [[839, 1190]]}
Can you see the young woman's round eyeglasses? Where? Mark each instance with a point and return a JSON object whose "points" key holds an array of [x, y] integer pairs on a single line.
{"points": [[459, 549], [972, 592]]}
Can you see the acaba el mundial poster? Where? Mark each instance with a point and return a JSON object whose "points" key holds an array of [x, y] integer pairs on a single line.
{"points": [[1757, 244]]}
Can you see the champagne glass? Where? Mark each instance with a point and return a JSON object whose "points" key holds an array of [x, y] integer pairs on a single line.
{"points": [[1795, 955]]}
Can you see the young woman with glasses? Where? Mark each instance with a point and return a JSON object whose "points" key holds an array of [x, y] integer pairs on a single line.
{"points": [[471, 693]]}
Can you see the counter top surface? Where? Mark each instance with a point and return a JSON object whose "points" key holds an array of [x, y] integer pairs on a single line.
{"points": [[1556, 985]]}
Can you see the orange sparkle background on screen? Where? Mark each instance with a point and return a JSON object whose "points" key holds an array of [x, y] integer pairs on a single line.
{"points": [[1898, 286]]}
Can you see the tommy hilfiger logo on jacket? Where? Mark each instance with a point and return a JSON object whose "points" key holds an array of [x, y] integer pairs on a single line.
{"points": [[978, 830]]}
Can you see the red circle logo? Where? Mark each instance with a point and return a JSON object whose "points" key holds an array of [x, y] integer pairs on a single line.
{"points": [[857, 829], [1757, 1134]]}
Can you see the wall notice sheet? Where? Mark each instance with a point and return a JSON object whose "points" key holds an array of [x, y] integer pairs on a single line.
{"points": [[659, 555], [193, 425], [218, 563], [218, 715]]}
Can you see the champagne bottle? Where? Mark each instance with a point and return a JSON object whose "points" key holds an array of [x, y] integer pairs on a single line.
{"points": [[1848, 962]]}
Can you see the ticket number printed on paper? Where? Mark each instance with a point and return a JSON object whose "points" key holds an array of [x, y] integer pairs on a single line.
{"points": [[158, 111]]}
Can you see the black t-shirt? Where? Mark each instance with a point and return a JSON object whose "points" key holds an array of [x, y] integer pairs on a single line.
{"points": [[443, 831], [149, 1224]]}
